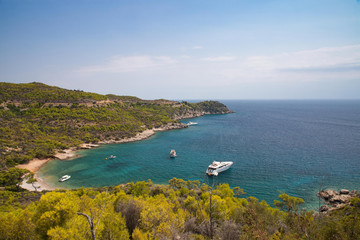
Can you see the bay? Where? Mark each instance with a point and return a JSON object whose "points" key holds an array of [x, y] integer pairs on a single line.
{"points": [[296, 147]]}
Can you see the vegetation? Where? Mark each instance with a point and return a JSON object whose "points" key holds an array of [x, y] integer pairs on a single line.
{"points": [[180, 210], [36, 119], [42, 93]]}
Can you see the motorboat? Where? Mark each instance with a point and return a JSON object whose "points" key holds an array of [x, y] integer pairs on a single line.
{"points": [[64, 178], [112, 156], [172, 153], [192, 123], [216, 167]]}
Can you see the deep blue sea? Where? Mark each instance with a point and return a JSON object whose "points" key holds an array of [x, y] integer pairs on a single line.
{"points": [[296, 147]]}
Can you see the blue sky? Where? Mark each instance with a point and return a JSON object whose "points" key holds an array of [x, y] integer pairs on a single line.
{"points": [[188, 49]]}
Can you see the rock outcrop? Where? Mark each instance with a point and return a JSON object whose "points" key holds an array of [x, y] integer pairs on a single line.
{"points": [[171, 126], [193, 114], [335, 199]]}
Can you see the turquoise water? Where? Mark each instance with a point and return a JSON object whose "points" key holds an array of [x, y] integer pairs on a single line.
{"points": [[297, 147]]}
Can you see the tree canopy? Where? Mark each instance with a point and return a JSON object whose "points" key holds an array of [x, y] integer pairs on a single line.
{"points": [[180, 210]]}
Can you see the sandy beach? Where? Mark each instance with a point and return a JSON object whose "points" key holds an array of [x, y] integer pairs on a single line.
{"points": [[33, 166]]}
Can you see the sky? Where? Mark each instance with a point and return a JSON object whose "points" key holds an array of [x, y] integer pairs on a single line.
{"points": [[185, 49]]}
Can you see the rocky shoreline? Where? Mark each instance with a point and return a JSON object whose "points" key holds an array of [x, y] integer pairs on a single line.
{"points": [[147, 133], [193, 114], [336, 199]]}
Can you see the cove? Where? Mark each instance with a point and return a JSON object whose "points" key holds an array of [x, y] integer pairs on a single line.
{"points": [[297, 147]]}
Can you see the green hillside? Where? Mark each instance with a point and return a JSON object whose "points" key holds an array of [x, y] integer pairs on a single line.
{"points": [[37, 119], [43, 93]]}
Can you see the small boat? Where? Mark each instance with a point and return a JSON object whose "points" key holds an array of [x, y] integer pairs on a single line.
{"points": [[192, 123], [112, 156], [172, 153], [216, 167], [64, 178]]}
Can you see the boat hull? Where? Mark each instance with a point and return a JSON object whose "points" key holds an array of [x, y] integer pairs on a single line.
{"points": [[223, 167], [64, 178], [172, 154]]}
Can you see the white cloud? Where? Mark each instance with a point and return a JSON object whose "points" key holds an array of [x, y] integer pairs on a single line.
{"points": [[121, 64], [331, 63], [219, 59], [336, 63], [197, 47], [185, 56], [326, 59]]}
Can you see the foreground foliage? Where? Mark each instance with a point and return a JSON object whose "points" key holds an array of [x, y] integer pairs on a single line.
{"points": [[180, 210]]}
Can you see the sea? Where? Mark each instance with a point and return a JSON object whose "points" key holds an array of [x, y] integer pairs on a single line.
{"points": [[298, 147]]}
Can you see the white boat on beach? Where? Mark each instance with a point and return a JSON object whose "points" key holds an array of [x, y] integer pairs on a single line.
{"points": [[192, 123], [172, 153], [216, 167], [64, 178]]}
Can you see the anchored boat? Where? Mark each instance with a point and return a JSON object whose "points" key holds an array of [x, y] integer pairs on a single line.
{"points": [[172, 153], [64, 178], [216, 167]]}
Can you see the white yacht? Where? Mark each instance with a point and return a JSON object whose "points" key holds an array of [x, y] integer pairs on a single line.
{"points": [[112, 156], [192, 123], [172, 153], [64, 178], [216, 167]]}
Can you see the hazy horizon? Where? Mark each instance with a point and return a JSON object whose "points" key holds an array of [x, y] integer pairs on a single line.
{"points": [[246, 50]]}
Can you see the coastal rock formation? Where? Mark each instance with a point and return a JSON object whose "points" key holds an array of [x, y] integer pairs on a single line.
{"points": [[146, 133], [191, 110], [171, 126], [335, 199], [324, 208], [344, 191], [195, 113]]}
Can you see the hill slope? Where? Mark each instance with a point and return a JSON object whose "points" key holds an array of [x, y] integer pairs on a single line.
{"points": [[37, 119]]}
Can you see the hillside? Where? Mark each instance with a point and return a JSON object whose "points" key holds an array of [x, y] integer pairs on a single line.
{"points": [[37, 119]]}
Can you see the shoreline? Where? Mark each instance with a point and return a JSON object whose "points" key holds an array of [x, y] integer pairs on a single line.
{"points": [[35, 164]]}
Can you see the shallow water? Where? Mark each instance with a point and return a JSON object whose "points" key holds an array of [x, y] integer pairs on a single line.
{"points": [[297, 147]]}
